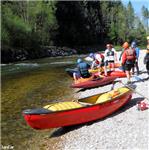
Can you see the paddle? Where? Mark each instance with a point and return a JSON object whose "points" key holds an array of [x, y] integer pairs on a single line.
{"points": [[113, 83], [134, 90]]}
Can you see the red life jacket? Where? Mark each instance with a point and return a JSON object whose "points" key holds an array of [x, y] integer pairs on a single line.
{"points": [[101, 56], [97, 62], [130, 54]]}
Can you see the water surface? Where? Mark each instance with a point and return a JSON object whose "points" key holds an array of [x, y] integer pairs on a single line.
{"points": [[31, 84]]}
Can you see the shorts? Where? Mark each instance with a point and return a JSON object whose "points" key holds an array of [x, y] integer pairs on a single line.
{"points": [[107, 62], [128, 67], [111, 61]]}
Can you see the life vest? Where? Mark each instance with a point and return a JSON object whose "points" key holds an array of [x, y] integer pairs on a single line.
{"points": [[102, 56], [130, 54], [99, 58], [83, 68], [110, 53], [97, 62]]}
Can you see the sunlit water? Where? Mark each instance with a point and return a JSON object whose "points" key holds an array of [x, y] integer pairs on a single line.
{"points": [[31, 84]]}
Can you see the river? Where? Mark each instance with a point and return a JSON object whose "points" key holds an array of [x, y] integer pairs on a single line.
{"points": [[31, 84]]}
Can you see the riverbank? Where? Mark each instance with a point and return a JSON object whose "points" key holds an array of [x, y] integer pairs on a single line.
{"points": [[127, 128], [9, 55], [12, 55]]}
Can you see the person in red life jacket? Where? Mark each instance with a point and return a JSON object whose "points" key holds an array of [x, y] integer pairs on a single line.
{"points": [[128, 59], [110, 57], [98, 60]]}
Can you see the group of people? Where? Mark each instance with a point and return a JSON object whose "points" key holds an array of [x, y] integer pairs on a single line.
{"points": [[146, 58], [128, 58]]}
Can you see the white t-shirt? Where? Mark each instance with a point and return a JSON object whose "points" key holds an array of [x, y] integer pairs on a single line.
{"points": [[110, 58]]}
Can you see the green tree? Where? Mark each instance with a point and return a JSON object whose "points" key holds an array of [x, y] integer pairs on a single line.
{"points": [[145, 13], [79, 22]]}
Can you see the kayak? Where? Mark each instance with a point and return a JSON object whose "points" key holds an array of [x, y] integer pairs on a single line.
{"points": [[116, 65], [116, 73], [96, 70], [90, 82], [83, 110], [75, 70], [119, 74]]}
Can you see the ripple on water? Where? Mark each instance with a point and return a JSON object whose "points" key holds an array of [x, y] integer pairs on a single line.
{"points": [[28, 89]]}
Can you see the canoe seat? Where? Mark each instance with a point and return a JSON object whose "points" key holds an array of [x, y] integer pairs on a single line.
{"points": [[63, 106], [112, 94]]}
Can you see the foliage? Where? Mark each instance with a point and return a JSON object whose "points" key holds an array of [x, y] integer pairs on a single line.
{"points": [[27, 24], [145, 13], [31, 24]]}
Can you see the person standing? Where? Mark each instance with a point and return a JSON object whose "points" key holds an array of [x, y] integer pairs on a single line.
{"points": [[137, 50], [110, 57], [146, 58], [128, 60]]}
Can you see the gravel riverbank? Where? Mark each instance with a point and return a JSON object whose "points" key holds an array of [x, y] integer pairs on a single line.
{"points": [[127, 128]]}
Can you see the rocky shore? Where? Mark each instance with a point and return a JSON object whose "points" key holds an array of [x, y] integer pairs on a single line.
{"points": [[126, 129], [11, 55]]}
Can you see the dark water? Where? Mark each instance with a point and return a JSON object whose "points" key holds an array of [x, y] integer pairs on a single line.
{"points": [[31, 84]]}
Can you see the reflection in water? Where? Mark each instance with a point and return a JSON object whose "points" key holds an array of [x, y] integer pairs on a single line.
{"points": [[30, 87], [62, 62]]}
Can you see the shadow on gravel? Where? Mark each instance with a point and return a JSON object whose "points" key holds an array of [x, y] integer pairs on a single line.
{"points": [[64, 130]]}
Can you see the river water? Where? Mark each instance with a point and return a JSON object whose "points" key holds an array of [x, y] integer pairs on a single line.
{"points": [[31, 84]]}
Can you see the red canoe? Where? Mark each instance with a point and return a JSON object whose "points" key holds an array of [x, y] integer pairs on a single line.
{"points": [[46, 119], [94, 83]]}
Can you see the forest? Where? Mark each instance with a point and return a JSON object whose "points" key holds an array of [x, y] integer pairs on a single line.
{"points": [[28, 27]]}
